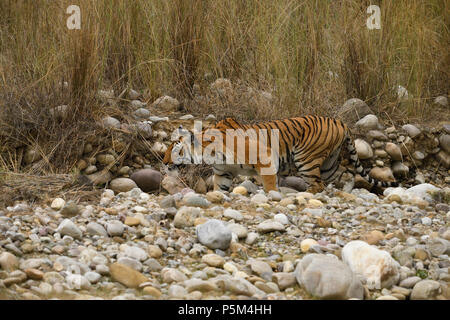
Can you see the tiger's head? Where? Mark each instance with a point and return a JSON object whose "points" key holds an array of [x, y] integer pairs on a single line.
{"points": [[180, 150]]}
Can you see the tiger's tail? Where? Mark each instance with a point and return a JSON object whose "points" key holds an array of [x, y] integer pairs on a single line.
{"points": [[361, 170]]}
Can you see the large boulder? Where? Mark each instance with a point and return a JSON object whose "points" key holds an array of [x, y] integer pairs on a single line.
{"points": [[147, 179], [327, 277], [353, 110], [377, 266]]}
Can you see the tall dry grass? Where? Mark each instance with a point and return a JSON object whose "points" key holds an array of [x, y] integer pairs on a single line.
{"points": [[311, 55]]}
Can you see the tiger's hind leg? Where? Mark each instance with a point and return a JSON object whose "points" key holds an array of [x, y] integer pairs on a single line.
{"points": [[311, 173]]}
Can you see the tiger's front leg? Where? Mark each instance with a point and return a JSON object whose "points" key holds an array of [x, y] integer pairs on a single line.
{"points": [[222, 180]]}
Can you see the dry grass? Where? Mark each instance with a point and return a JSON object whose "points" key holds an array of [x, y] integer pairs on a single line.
{"points": [[310, 55], [36, 188]]}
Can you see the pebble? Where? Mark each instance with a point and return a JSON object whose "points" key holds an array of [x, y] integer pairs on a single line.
{"points": [[240, 190], [214, 234], [67, 227], [115, 228], [269, 226], [213, 260], [57, 204], [126, 275], [233, 214], [426, 290], [306, 244], [96, 229], [8, 261]]}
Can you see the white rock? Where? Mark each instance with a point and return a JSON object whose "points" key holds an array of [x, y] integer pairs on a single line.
{"points": [[57, 204], [259, 198], [363, 149], [214, 234], [281, 218], [67, 227], [377, 266], [327, 277], [369, 122], [233, 214]]}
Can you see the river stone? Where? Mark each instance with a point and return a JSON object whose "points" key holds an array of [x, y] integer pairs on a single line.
{"points": [[239, 230], [170, 275], [215, 196], [110, 122], [399, 169], [443, 158], [383, 174], [240, 190], [57, 204], [233, 214], [214, 234], [122, 185], [409, 282], [353, 110], [363, 149], [166, 103], [426, 290], [326, 277], [262, 269], [259, 198], [67, 227], [412, 130], [194, 200], [126, 275], [377, 266], [186, 216], [369, 122], [96, 229], [444, 142], [172, 184], [147, 179], [8, 261], [270, 226], [130, 262], [237, 286], [213, 260], [168, 202], [249, 186], [394, 151], [142, 113], [115, 228]]}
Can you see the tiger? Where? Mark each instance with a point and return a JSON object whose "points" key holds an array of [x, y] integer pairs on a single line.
{"points": [[311, 145]]}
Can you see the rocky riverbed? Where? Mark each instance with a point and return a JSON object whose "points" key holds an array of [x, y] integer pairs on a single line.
{"points": [[243, 244], [153, 235]]}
